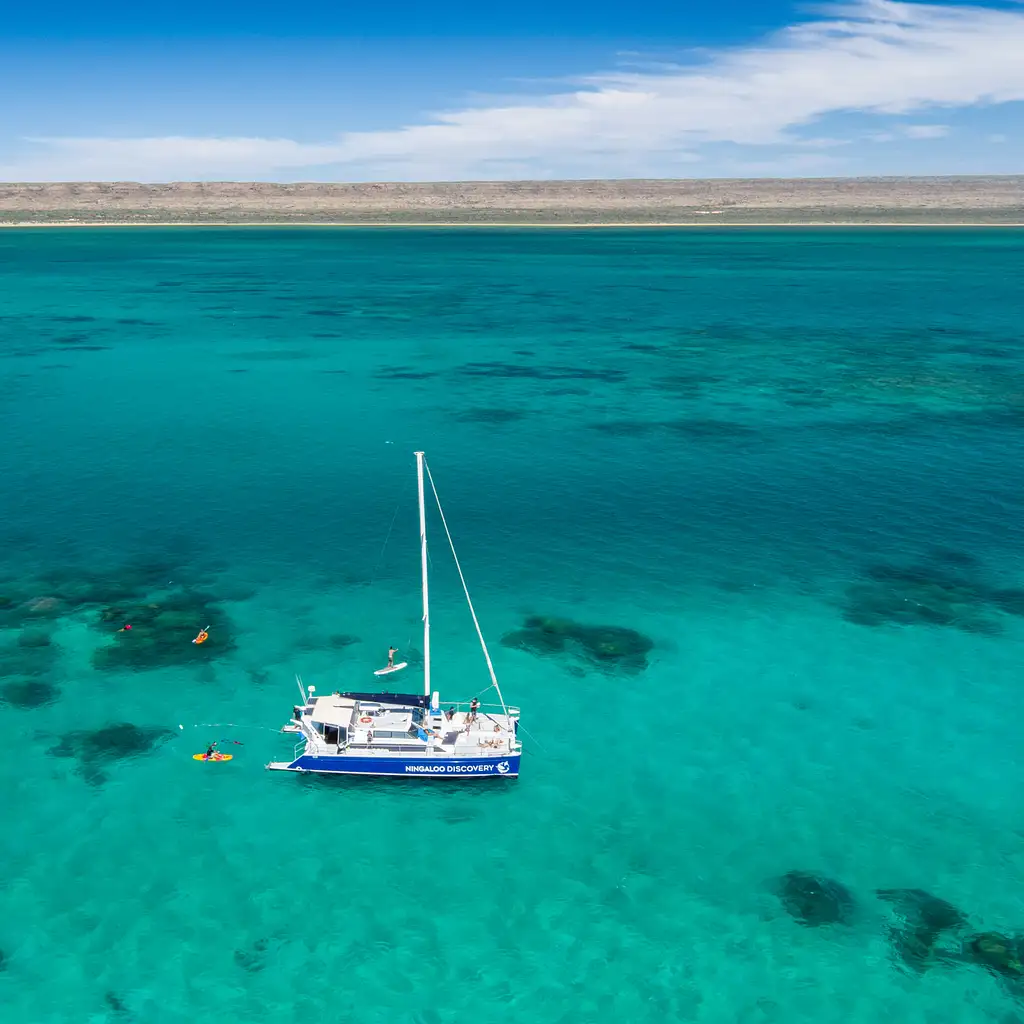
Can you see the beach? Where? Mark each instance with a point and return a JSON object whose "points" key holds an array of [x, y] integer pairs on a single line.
{"points": [[911, 201]]}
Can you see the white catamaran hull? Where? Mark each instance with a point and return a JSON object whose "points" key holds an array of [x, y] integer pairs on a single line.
{"points": [[504, 767]]}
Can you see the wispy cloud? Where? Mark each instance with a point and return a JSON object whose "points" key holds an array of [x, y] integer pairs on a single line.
{"points": [[926, 131], [877, 57]]}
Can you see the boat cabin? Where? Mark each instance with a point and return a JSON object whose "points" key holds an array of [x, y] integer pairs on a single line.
{"points": [[344, 722], [371, 723]]}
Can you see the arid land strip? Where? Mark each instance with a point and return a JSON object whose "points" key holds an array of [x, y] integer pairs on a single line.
{"points": [[753, 201]]}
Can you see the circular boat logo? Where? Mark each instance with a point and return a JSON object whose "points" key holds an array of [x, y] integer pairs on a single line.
{"points": [[502, 767]]}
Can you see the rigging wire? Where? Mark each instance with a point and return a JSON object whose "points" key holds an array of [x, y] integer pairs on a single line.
{"points": [[380, 557], [465, 590]]}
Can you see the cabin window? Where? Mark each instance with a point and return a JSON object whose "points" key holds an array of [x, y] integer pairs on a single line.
{"points": [[331, 733]]}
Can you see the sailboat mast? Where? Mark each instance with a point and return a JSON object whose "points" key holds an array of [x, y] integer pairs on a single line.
{"points": [[423, 560]]}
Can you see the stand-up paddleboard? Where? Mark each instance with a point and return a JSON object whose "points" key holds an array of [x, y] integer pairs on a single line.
{"points": [[216, 757], [391, 668]]}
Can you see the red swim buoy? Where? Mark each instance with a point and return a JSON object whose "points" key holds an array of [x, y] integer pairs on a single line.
{"points": [[366, 720]]}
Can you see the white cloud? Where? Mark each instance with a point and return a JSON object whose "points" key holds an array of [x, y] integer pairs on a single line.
{"points": [[926, 131], [872, 57]]}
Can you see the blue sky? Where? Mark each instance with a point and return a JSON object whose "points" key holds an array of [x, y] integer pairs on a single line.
{"points": [[413, 91]]}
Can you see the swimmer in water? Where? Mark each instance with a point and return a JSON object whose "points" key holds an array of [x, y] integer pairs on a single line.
{"points": [[126, 628]]}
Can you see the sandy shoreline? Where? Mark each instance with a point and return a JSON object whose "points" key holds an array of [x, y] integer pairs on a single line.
{"points": [[762, 202], [506, 224]]}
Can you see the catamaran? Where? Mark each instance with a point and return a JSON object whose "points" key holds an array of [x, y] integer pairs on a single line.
{"points": [[408, 734]]}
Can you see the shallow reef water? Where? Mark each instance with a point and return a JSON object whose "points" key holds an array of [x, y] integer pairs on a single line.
{"points": [[742, 518]]}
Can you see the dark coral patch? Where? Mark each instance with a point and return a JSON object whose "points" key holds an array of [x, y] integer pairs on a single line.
{"points": [[493, 416], [40, 608], [625, 428], [339, 641], [162, 633], [515, 371], [31, 659], [612, 647], [78, 587], [34, 638], [404, 373], [703, 429], [922, 919], [1001, 955], [28, 695], [681, 384], [115, 1004], [253, 959], [815, 900], [117, 742], [929, 595]]}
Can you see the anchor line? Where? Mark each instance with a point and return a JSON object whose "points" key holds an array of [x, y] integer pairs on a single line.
{"points": [[227, 725]]}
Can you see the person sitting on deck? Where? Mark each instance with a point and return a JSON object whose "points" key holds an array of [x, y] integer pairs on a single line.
{"points": [[495, 741], [450, 714]]}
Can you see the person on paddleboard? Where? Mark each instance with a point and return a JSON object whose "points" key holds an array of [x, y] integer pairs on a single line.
{"points": [[211, 751], [392, 651]]}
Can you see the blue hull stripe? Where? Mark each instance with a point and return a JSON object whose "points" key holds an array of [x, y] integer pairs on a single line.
{"points": [[463, 767]]}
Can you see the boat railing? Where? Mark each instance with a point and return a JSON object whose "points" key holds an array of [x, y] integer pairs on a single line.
{"points": [[482, 709]]}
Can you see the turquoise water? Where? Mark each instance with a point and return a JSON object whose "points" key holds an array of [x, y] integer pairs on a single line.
{"points": [[791, 459]]}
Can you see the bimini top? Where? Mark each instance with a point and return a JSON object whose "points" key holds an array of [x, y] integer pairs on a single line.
{"points": [[333, 711], [416, 700]]}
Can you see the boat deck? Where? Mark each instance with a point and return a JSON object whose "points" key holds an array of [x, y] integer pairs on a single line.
{"points": [[335, 724]]}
